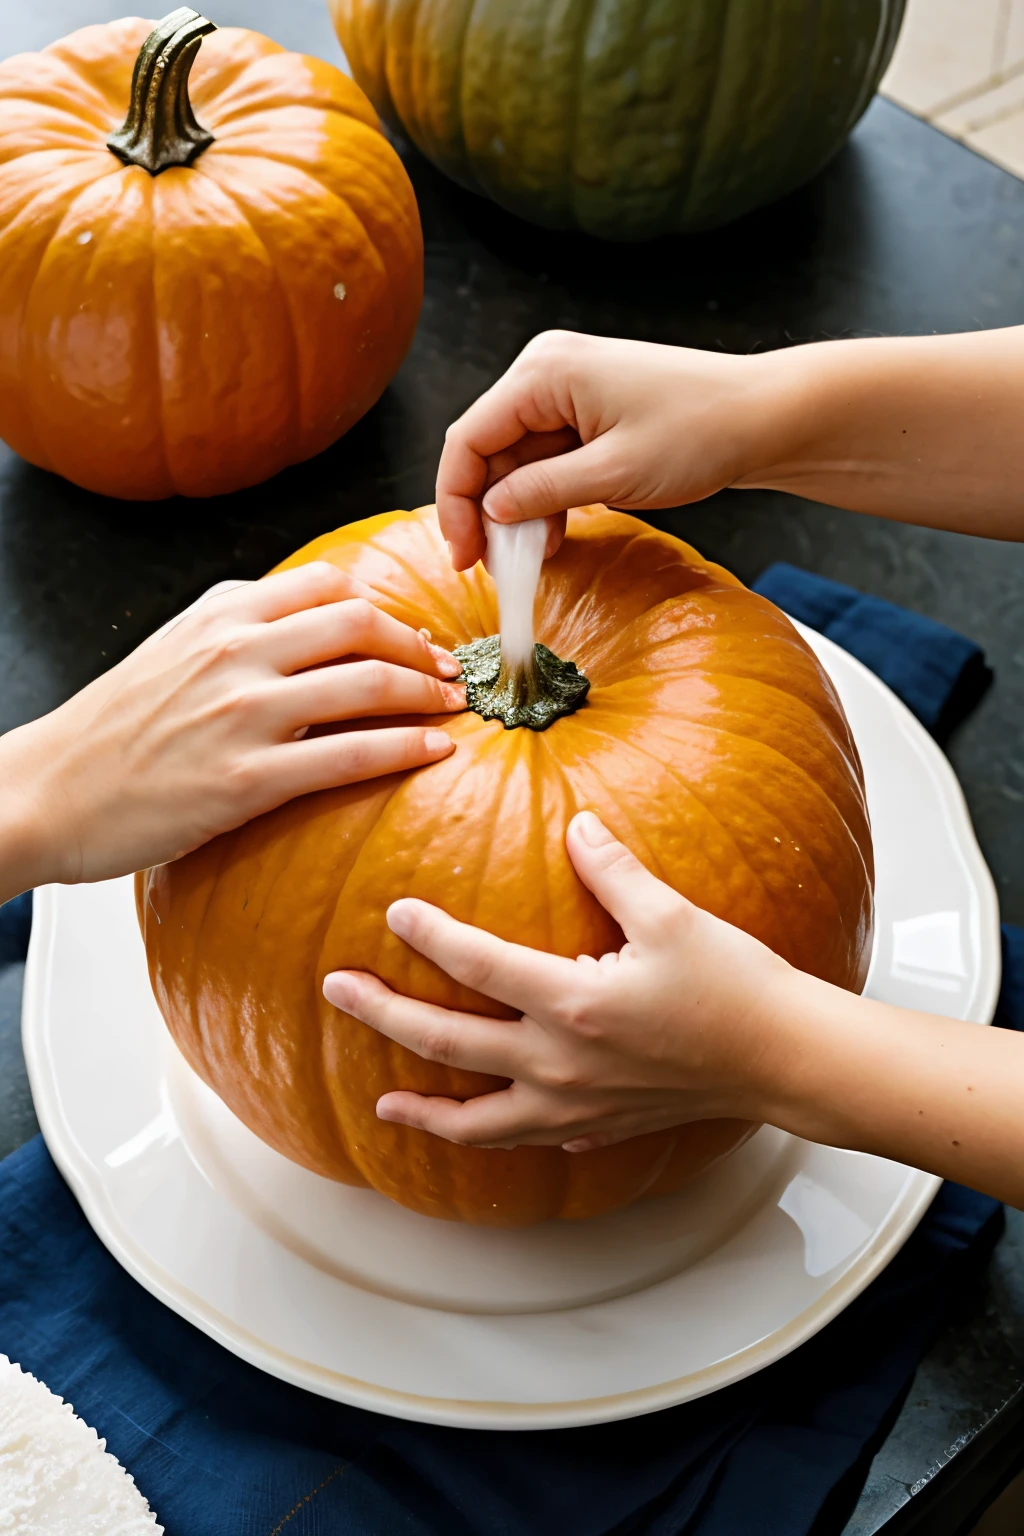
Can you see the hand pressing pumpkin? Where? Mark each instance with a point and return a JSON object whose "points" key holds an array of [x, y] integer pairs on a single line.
{"points": [[204, 727], [690, 1018], [660, 1032]]}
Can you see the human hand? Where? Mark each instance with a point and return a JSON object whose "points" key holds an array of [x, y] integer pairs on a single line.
{"points": [[580, 419], [676, 1026], [204, 727], [692, 1019]]}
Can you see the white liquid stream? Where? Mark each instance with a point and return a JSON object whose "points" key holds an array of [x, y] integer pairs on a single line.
{"points": [[515, 554]]}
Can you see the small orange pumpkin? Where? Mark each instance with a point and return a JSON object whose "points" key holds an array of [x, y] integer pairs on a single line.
{"points": [[201, 292], [711, 741]]}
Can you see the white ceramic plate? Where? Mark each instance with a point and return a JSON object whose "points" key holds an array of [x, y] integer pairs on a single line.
{"points": [[341, 1292]]}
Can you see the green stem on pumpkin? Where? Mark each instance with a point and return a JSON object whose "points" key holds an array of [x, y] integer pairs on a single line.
{"points": [[160, 129], [534, 696]]}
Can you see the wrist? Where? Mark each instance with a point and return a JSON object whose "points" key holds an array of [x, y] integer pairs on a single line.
{"points": [[26, 845], [834, 421], [789, 405], [791, 1077], [803, 415], [821, 1079]]}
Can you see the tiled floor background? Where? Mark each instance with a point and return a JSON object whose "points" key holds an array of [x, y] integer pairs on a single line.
{"points": [[960, 64]]}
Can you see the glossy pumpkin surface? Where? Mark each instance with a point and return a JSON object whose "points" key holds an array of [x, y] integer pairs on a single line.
{"points": [[195, 330], [625, 118], [711, 742]]}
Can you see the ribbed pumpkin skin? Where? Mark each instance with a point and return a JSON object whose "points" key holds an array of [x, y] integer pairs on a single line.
{"points": [[182, 332], [711, 742], [623, 118]]}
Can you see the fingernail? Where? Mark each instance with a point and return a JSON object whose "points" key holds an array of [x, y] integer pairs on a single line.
{"points": [[385, 1113], [591, 830], [579, 1145], [438, 743], [448, 547], [424, 632], [447, 664], [399, 918], [339, 990], [454, 695]]}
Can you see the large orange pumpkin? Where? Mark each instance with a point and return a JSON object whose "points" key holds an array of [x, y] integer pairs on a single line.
{"points": [[711, 741], [191, 300]]}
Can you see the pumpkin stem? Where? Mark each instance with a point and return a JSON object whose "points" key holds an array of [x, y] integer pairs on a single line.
{"points": [[534, 696], [161, 129]]}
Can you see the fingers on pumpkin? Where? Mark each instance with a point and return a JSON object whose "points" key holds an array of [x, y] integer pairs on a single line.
{"points": [[598, 1139], [610, 1129], [348, 757], [354, 627], [510, 1117], [527, 979], [437, 1034], [491, 1120], [284, 592], [641, 904], [358, 690]]}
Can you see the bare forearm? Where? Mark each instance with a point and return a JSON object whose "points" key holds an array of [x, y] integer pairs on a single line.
{"points": [[23, 854], [919, 429], [931, 1092]]}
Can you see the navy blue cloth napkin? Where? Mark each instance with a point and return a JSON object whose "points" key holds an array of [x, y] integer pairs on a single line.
{"points": [[938, 674], [15, 927], [221, 1450]]}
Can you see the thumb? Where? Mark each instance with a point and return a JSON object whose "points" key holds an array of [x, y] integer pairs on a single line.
{"points": [[640, 903], [550, 485]]}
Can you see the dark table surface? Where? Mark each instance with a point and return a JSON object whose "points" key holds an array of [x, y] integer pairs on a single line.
{"points": [[907, 232]]}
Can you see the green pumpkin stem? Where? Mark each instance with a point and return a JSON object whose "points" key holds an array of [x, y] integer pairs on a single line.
{"points": [[534, 696], [161, 129]]}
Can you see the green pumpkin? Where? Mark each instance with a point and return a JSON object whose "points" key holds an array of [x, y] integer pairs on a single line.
{"points": [[624, 118]]}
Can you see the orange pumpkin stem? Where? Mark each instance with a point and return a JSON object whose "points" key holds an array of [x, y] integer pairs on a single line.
{"points": [[161, 129]]}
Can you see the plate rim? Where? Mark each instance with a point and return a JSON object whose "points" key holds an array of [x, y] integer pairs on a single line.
{"points": [[916, 1196]]}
